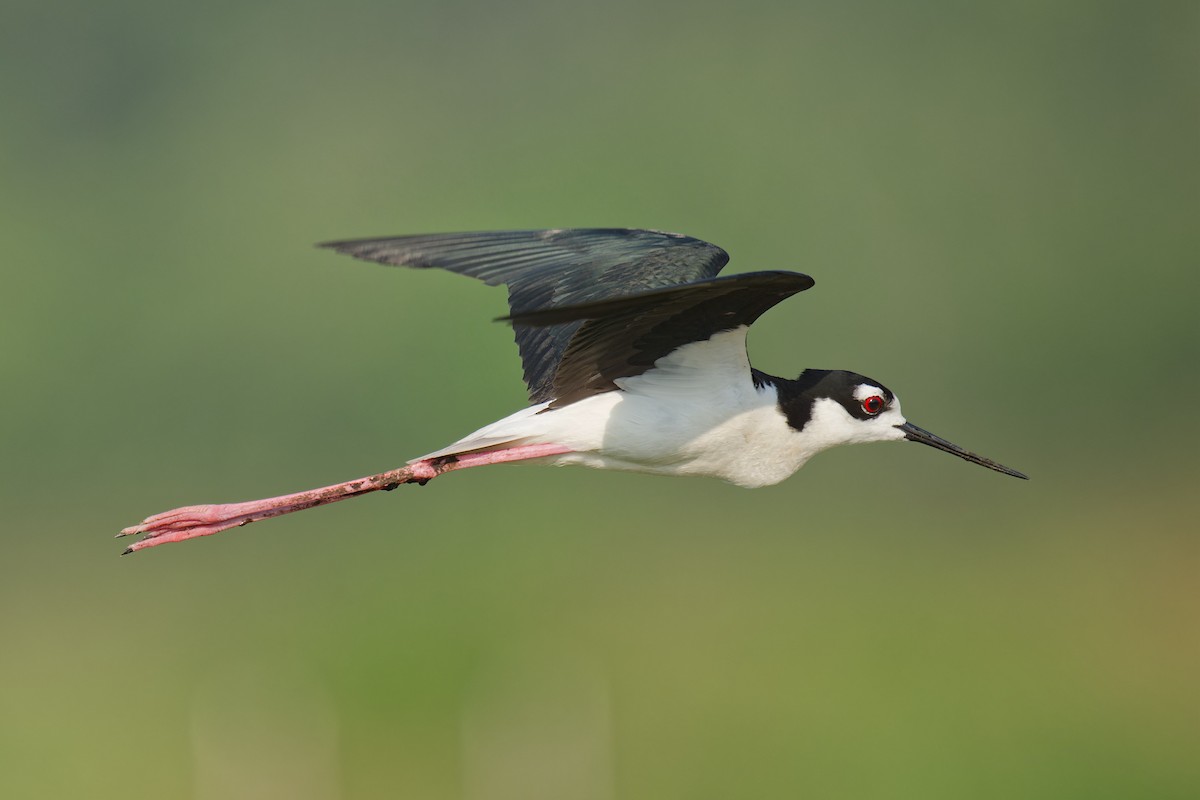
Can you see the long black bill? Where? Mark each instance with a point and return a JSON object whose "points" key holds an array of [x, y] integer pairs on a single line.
{"points": [[915, 434]]}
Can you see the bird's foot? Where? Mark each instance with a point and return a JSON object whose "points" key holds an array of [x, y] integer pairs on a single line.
{"points": [[192, 522], [188, 522]]}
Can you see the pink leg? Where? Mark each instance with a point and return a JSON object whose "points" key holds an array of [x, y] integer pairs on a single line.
{"points": [[191, 522]]}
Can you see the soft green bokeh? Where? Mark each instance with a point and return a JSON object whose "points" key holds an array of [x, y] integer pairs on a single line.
{"points": [[999, 202]]}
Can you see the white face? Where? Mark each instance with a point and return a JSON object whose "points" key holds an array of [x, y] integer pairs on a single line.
{"points": [[833, 425]]}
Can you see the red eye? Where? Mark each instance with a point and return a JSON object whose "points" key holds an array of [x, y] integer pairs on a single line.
{"points": [[873, 404]]}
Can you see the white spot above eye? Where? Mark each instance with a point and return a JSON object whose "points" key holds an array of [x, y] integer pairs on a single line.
{"points": [[865, 390]]}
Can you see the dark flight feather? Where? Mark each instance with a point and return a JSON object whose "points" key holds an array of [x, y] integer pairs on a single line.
{"points": [[547, 269]]}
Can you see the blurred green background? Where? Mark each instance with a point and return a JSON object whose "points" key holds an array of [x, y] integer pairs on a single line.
{"points": [[999, 202]]}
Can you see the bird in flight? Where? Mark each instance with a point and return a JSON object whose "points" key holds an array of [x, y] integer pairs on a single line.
{"points": [[634, 352]]}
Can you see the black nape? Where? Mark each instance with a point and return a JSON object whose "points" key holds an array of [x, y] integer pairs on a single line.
{"points": [[796, 397]]}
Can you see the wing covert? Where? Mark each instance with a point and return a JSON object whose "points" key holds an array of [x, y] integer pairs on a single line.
{"points": [[623, 337]]}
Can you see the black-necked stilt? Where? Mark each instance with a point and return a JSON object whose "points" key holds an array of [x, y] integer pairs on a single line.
{"points": [[635, 357]]}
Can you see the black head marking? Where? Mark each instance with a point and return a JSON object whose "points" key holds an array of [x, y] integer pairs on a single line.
{"points": [[796, 397]]}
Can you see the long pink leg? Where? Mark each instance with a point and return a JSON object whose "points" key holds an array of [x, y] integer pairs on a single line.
{"points": [[190, 522]]}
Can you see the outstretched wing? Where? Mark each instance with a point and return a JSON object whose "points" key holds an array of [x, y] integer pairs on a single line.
{"points": [[547, 269], [624, 336]]}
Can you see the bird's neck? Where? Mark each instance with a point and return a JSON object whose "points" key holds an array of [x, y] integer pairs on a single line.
{"points": [[795, 398]]}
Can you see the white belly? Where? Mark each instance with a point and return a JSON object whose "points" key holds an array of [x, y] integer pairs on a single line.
{"points": [[696, 413], [748, 447]]}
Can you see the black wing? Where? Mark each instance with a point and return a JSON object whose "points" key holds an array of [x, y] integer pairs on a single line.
{"points": [[623, 337], [549, 269]]}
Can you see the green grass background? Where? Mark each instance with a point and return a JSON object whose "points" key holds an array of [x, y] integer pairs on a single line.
{"points": [[999, 203]]}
